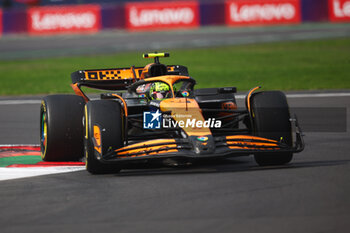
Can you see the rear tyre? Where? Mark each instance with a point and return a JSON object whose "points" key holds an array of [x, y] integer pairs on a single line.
{"points": [[271, 116], [107, 116], [61, 128]]}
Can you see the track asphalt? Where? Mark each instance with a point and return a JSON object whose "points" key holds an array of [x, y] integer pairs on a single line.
{"points": [[235, 195]]}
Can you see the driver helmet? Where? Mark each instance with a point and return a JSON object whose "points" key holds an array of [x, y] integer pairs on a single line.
{"points": [[159, 90]]}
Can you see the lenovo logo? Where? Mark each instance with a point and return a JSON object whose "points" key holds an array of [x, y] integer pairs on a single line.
{"points": [[341, 8], [53, 20], [262, 12], [62, 21], [162, 15]]}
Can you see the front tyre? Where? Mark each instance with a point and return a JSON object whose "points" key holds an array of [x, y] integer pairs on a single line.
{"points": [[103, 133], [270, 116], [61, 128]]}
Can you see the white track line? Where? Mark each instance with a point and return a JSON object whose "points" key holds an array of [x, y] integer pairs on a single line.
{"points": [[9, 173], [301, 95], [18, 145], [318, 95], [17, 102]]}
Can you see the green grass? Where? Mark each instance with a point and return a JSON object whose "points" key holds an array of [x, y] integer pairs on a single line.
{"points": [[302, 65]]}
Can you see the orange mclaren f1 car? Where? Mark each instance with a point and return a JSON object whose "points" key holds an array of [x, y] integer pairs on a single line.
{"points": [[154, 114]]}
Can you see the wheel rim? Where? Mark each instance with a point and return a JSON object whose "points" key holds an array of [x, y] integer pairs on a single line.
{"points": [[85, 123], [43, 134]]}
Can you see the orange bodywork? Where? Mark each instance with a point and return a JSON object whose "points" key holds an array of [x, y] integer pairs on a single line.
{"points": [[124, 103], [241, 143], [148, 148], [183, 109], [147, 143], [79, 92], [97, 139], [113, 74], [169, 79], [249, 95], [249, 138]]}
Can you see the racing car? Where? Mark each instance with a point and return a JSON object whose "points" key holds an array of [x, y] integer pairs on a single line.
{"points": [[154, 114]]}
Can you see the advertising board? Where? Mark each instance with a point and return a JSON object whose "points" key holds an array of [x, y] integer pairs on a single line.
{"points": [[260, 12], [64, 19], [162, 15], [339, 10]]}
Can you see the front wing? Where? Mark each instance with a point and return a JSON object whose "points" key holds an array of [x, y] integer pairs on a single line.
{"points": [[225, 146]]}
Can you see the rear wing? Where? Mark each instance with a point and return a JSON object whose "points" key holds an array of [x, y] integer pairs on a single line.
{"points": [[107, 79], [117, 78]]}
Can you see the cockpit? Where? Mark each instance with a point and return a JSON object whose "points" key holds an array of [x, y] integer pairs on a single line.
{"points": [[164, 88]]}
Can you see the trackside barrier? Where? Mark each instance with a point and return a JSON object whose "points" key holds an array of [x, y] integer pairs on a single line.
{"points": [[314, 10], [112, 16], [15, 21], [339, 10], [162, 15], [211, 13], [75, 2], [56, 20]]}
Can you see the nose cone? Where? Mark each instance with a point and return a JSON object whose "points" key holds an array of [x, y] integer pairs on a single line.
{"points": [[186, 112]]}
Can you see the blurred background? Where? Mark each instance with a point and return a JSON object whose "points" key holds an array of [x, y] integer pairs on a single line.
{"points": [[41, 16], [278, 44]]}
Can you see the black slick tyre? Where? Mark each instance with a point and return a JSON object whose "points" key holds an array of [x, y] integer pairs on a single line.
{"points": [[61, 128], [106, 117], [271, 119]]}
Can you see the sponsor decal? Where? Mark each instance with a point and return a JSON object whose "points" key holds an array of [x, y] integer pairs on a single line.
{"points": [[185, 93], [339, 10], [248, 12], [54, 20], [202, 139], [162, 15]]}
